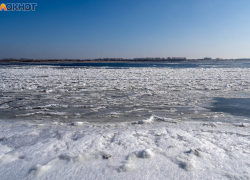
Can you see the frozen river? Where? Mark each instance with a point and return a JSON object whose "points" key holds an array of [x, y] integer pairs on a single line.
{"points": [[118, 92], [125, 121]]}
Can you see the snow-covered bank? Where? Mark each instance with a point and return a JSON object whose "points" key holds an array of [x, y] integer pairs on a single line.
{"points": [[151, 149]]}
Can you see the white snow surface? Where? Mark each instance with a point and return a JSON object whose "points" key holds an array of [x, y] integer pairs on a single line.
{"points": [[159, 150], [131, 123]]}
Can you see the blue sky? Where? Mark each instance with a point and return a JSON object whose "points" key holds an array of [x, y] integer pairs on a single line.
{"points": [[127, 29]]}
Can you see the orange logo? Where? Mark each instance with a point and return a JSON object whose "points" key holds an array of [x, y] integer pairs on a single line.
{"points": [[3, 7]]}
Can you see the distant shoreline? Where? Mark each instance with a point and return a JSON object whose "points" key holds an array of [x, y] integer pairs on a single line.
{"points": [[27, 61]]}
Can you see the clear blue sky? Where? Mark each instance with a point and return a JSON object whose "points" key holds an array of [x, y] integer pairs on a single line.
{"points": [[127, 29]]}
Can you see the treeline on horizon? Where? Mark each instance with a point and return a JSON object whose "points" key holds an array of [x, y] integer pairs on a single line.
{"points": [[98, 59], [9, 60]]}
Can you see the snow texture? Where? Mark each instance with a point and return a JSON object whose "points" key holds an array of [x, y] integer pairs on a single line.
{"points": [[159, 150], [128, 123]]}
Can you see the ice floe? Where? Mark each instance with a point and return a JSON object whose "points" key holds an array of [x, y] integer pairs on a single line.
{"points": [[130, 94]]}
